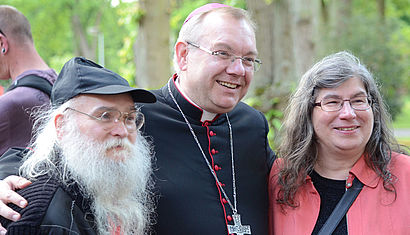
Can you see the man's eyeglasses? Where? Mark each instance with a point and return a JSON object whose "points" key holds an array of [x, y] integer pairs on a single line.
{"points": [[133, 120], [359, 103], [248, 62], [2, 33]]}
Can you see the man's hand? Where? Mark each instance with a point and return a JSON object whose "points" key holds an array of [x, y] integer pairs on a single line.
{"points": [[7, 195]]}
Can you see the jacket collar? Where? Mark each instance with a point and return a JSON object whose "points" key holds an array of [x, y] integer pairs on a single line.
{"points": [[188, 107], [364, 173]]}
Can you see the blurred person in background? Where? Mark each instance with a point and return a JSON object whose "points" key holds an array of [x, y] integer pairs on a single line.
{"points": [[19, 60]]}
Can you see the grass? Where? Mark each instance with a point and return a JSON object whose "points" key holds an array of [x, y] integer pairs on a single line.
{"points": [[404, 141], [403, 119]]}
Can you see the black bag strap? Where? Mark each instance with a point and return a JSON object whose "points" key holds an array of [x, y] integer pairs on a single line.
{"points": [[33, 81], [341, 208]]}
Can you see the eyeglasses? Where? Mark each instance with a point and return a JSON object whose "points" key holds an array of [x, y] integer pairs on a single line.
{"points": [[359, 103], [248, 62], [2, 33], [133, 120]]}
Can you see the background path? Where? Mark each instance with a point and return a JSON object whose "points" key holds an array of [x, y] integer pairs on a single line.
{"points": [[401, 133]]}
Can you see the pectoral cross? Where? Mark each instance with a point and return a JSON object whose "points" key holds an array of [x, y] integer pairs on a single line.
{"points": [[238, 228]]}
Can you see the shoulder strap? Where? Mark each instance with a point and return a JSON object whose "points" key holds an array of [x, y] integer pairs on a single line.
{"points": [[33, 81], [341, 208]]}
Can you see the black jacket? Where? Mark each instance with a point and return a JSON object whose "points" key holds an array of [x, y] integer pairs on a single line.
{"points": [[189, 201], [51, 209]]}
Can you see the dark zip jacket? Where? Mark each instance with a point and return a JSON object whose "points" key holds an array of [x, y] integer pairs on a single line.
{"points": [[52, 209]]}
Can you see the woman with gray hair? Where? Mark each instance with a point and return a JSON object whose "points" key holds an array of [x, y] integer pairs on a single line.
{"points": [[336, 141]]}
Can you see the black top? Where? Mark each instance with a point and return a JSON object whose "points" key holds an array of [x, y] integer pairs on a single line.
{"points": [[189, 200], [52, 209], [330, 191]]}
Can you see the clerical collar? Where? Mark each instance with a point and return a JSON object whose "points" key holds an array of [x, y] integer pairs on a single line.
{"points": [[206, 116]]}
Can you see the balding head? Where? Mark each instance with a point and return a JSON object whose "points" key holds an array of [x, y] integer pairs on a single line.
{"points": [[15, 25], [17, 51]]}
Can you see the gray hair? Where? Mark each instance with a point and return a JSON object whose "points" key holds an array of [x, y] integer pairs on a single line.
{"points": [[42, 161], [191, 31], [298, 146]]}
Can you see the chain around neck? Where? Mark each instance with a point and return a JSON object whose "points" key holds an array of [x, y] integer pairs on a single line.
{"points": [[233, 206]]}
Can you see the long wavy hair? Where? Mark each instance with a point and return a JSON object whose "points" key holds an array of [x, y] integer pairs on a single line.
{"points": [[299, 147]]}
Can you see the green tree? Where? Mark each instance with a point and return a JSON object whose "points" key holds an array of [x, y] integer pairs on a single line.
{"points": [[62, 29], [375, 34]]}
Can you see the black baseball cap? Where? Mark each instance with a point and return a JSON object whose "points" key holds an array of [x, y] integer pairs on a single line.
{"points": [[82, 76]]}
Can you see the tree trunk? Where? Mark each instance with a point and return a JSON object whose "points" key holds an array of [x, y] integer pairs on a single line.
{"points": [[339, 17], [381, 5], [82, 45], [151, 48], [286, 45], [285, 69], [263, 78], [306, 34]]}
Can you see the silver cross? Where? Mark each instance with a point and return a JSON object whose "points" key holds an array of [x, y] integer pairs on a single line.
{"points": [[238, 228]]}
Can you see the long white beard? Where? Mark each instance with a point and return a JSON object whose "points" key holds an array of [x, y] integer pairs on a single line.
{"points": [[119, 189]]}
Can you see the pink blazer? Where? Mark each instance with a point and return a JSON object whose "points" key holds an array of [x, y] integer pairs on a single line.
{"points": [[375, 210]]}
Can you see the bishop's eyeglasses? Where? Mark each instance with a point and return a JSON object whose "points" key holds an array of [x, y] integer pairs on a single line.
{"points": [[333, 104], [247, 62], [133, 120]]}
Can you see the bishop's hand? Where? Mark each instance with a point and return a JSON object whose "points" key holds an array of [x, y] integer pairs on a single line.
{"points": [[7, 195]]}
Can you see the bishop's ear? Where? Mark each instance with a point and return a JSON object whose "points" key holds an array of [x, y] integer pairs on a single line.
{"points": [[181, 52]]}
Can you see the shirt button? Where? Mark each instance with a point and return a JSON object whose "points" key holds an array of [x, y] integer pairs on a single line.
{"points": [[229, 218], [221, 184], [211, 133], [213, 151], [224, 201], [217, 168], [349, 180]]}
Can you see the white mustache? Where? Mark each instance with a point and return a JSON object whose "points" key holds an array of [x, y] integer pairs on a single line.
{"points": [[125, 144]]}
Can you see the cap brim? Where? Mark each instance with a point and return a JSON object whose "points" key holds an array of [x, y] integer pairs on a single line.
{"points": [[138, 95]]}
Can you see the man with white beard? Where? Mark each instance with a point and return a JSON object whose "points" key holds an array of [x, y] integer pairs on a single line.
{"points": [[90, 166]]}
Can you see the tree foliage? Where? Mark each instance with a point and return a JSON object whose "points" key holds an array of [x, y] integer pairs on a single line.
{"points": [[381, 41], [54, 32], [380, 37]]}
